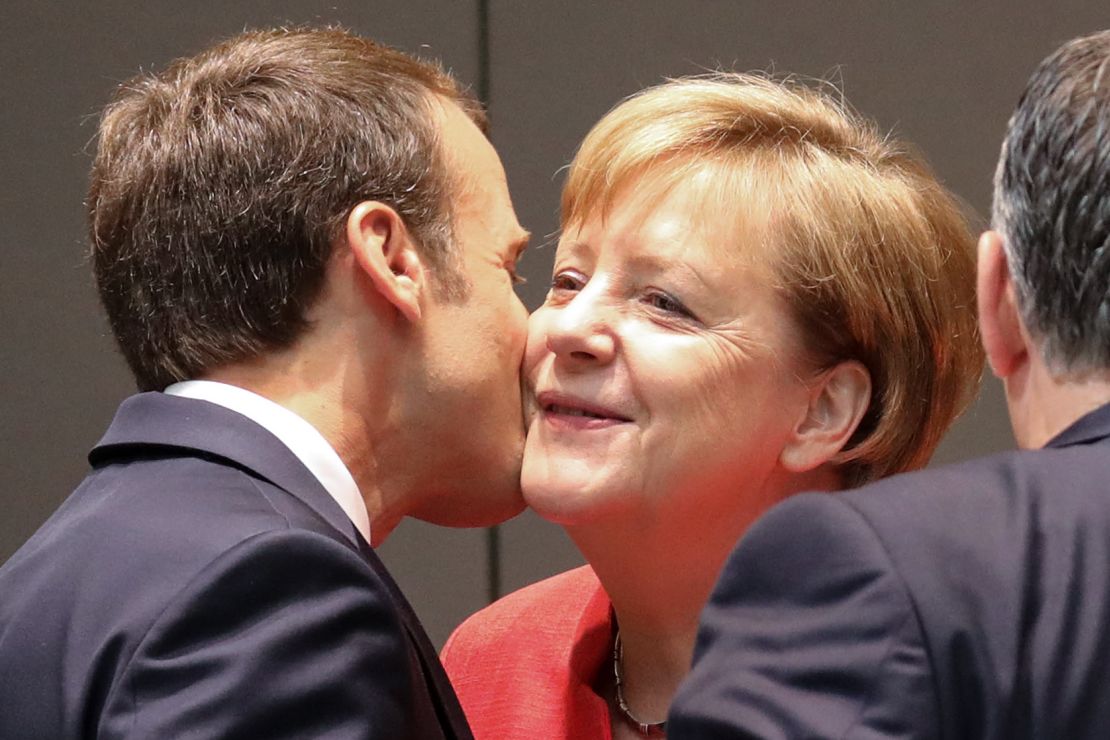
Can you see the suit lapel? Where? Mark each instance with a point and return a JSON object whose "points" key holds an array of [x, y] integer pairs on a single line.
{"points": [[439, 686], [150, 420]]}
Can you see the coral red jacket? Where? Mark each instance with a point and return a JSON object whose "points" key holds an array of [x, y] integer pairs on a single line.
{"points": [[524, 667]]}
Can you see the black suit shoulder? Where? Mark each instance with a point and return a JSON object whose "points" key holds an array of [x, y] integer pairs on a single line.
{"points": [[809, 633], [236, 653], [1007, 561], [982, 586], [179, 593]]}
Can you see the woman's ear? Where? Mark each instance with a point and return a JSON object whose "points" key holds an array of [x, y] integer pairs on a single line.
{"points": [[837, 402], [385, 252]]}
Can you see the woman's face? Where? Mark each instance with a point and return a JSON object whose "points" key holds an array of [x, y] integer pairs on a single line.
{"points": [[662, 370]]}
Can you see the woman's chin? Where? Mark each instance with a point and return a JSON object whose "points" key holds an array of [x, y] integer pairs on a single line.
{"points": [[566, 505], [570, 505], [553, 506]]}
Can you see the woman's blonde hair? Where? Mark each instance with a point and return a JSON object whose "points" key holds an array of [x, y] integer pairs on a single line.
{"points": [[871, 254]]}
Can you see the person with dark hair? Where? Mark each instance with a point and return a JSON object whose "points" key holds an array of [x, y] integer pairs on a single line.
{"points": [[306, 250], [971, 601]]}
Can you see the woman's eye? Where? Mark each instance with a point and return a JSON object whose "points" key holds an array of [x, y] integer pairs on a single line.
{"points": [[567, 280], [667, 304]]}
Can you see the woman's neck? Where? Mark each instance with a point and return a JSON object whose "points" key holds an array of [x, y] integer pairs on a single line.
{"points": [[657, 592], [652, 665], [660, 564]]}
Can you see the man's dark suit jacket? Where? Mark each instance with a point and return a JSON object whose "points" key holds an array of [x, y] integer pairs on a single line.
{"points": [[971, 601], [201, 583]]}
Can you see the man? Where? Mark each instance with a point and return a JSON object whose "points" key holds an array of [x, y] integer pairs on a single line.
{"points": [[971, 601], [306, 241]]}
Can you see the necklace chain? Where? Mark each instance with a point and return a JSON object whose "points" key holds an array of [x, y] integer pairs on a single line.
{"points": [[647, 729]]}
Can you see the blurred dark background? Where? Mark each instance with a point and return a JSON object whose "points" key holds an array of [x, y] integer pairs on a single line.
{"points": [[944, 75]]}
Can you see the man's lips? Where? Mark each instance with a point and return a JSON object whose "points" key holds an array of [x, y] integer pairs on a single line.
{"points": [[577, 412]]}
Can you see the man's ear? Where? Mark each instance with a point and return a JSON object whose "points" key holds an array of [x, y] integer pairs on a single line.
{"points": [[837, 402], [384, 250], [999, 317]]}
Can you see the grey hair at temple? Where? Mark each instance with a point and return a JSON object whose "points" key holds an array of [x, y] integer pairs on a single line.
{"points": [[1052, 205]]}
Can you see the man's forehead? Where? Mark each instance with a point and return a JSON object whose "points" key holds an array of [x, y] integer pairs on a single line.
{"points": [[480, 188], [467, 152], [457, 130]]}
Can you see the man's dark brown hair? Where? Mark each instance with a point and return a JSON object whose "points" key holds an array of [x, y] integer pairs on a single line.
{"points": [[221, 184]]}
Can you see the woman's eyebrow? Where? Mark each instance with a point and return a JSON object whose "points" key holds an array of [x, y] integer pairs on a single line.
{"points": [[655, 264]]}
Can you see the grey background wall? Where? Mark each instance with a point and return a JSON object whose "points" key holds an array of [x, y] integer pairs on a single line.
{"points": [[944, 75]]}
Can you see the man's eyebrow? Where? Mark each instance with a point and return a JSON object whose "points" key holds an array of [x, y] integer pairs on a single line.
{"points": [[516, 249]]}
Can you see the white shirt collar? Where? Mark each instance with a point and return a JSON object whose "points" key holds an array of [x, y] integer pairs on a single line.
{"points": [[302, 439]]}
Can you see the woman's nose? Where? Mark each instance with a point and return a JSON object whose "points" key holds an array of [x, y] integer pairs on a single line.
{"points": [[581, 331]]}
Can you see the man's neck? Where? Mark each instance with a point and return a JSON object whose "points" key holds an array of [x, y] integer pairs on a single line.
{"points": [[1043, 404], [317, 399]]}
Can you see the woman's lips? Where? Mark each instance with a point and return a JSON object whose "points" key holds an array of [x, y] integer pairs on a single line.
{"points": [[561, 410]]}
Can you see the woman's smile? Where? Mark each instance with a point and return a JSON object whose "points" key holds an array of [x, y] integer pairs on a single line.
{"points": [[564, 411]]}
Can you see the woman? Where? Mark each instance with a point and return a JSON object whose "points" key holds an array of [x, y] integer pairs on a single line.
{"points": [[755, 294]]}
